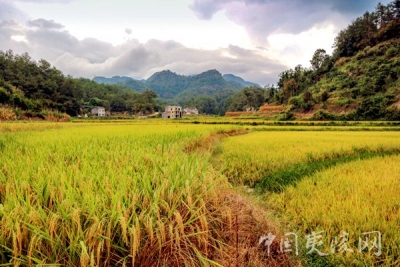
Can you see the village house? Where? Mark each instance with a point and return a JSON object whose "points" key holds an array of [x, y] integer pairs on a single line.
{"points": [[172, 112], [190, 111], [98, 111]]}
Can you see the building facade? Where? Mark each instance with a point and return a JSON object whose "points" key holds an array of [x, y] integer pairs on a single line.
{"points": [[98, 111], [172, 112], [190, 111]]}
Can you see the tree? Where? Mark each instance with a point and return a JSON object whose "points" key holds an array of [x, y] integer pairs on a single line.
{"points": [[380, 15], [205, 104], [270, 92], [396, 8], [290, 88], [248, 97], [118, 104], [320, 60]]}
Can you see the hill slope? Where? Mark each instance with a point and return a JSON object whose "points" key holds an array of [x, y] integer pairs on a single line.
{"points": [[170, 85], [365, 86], [360, 81], [30, 89], [129, 82], [236, 79]]}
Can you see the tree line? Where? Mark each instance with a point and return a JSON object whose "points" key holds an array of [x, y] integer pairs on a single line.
{"points": [[374, 70], [373, 27], [36, 87]]}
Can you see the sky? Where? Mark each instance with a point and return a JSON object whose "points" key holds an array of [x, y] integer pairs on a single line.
{"points": [[253, 39]]}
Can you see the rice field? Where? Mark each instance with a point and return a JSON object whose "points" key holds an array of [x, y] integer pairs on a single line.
{"points": [[343, 185], [107, 195], [248, 159], [346, 202], [157, 193]]}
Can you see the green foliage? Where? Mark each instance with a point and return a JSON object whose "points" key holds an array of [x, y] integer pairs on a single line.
{"points": [[4, 96], [42, 87], [391, 52], [285, 116], [296, 102], [373, 107], [178, 89], [167, 84], [368, 30], [270, 92], [392, 114], [321, 62], [145, 103], [204, 104], [324, 96], [322, 115], [252, 97], [364, 80], [304, 101]]}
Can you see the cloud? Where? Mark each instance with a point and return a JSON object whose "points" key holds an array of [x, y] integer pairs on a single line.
{"points": [[42, 23], [262, 18], [45, 1], [128, 31], [91, 57], [9, 12]]}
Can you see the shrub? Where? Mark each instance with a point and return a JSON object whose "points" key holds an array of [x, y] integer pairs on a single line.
{"points": [[392, 114], [321, 115], [285, 116], [296, 102], [361, 55], [7, 114], [340, 61], [4, 96], [373, 107], [391, 52]]}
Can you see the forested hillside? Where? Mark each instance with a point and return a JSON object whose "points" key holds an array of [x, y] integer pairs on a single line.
{"points": [[360, 80], [31, 89], [170, 85], [210, 91], [36, 89]]}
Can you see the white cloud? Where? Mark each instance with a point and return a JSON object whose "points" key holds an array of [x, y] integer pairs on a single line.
{"points": [[47, 24], [90, 57], [295, 49], [263, 17], [90, 37], [19, 38], [291, 29]]}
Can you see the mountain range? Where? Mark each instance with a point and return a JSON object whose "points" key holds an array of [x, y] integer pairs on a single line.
{"points": [[170, 85]]}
